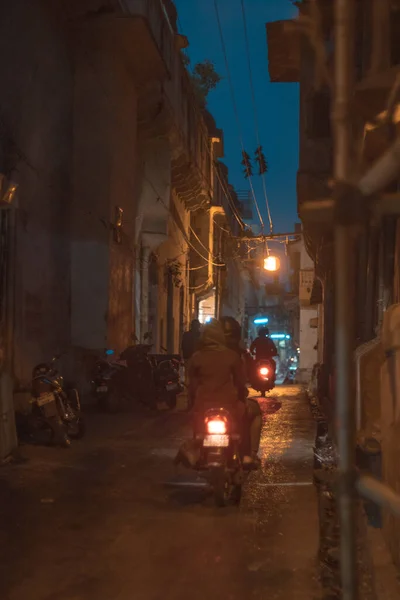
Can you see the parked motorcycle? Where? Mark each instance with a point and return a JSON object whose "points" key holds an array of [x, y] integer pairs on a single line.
{"points": [[106, 368], [167, 378], [216, 452], [263, 375], [138, 376], [55, 409]]}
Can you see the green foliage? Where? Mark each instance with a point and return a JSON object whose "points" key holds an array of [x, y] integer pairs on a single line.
{"points": [[204, 78]]}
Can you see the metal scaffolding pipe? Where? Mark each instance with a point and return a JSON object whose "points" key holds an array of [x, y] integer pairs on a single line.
{"points": [[380, 493], [344, 283]]}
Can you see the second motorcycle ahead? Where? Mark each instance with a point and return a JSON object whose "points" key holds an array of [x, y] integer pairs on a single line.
{"points": [[136, 377]]}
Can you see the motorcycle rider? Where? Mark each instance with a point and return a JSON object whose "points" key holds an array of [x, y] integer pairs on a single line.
{"points": [[217, 378], [253, 415], [263, 347], [233, 336], [190, 340]]}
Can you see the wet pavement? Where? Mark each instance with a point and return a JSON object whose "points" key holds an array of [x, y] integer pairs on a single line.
{"points": [[106, 519]]}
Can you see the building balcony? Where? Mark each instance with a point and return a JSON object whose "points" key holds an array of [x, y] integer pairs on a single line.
{"points": [[144, 35]]}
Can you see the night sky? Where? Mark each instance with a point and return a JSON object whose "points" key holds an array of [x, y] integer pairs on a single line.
{"points": [[277, 104]]}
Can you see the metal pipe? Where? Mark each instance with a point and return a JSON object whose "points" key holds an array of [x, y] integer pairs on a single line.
{"points": [[383, 172], [380, 493], [344, 284], [359, 353], [323, 211]]}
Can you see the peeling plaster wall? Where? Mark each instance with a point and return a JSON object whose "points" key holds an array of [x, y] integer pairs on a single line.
{"points": [[175, 249], [152, 227], [233, 297], [36, 124], [104, 179]]}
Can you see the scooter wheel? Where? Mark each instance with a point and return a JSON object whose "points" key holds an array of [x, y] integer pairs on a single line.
{"points": [[222, 489], [236, 494]]}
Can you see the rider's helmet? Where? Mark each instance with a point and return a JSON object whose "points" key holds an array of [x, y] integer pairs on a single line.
{"points": [[263, 332], [232, 331]]}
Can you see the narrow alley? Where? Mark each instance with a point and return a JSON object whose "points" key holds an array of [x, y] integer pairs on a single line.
{"points": [[107, 520]]}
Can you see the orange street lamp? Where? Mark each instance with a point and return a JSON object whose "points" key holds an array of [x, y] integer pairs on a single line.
{"points": [[272, 263]]}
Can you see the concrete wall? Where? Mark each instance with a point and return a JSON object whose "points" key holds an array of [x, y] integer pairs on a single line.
{"points": [[105, 108], [233, 296], [308, 340], [308, 335], [174, 249], [36, 143]]}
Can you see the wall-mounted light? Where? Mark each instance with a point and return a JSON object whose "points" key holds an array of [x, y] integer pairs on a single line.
{"points": [[8, 190], [118, 221]]}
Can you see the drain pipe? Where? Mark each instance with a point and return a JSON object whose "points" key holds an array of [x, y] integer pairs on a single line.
{"points": [[358, 354]]}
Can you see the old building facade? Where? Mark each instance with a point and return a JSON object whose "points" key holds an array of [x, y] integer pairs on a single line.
{"points": [[124, 221], [376, 252]]}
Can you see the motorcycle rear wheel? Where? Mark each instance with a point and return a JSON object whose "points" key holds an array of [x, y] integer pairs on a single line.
{"points": [[224, 490], [76, 430]]}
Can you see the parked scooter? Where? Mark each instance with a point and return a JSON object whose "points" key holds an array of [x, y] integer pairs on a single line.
{"points": [[167, 378], [216, 453], [263, 375], [139, 377], [55, 409], [106, 368]]}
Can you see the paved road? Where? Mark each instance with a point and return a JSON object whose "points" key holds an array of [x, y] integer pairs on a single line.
{"points": [[103, 521]]}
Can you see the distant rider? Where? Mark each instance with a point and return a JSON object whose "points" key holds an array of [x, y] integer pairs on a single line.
{"points": [[263, 347], [233, 336]]}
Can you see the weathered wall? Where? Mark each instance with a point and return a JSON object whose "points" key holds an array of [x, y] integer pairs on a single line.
{"points": [[175, 249], [36, 143], [153, 175], [105, 108], [233, 296], [308, 340]]}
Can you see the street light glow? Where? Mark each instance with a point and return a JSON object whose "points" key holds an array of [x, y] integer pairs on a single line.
{"points": [[261, 321], [271, 263]]}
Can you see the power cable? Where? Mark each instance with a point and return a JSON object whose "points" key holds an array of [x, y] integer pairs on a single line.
{"points": [[232, 92], [207, 259], [253, 96]]}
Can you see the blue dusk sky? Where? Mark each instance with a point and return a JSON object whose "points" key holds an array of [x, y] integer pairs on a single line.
{"points": [[277, 104]]}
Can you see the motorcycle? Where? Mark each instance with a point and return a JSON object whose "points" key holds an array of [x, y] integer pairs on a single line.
{"points": [[152, 380], [216, 453], [106, 368], [55, 409], [167, 378], [263, 375]]}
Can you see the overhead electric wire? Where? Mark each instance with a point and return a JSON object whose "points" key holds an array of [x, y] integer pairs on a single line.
{"points": [[253, 96], [184, 234], [232, 91]]}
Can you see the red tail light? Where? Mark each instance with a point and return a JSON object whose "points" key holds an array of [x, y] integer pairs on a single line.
{"points": [[264, 371], [216, 426]]}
